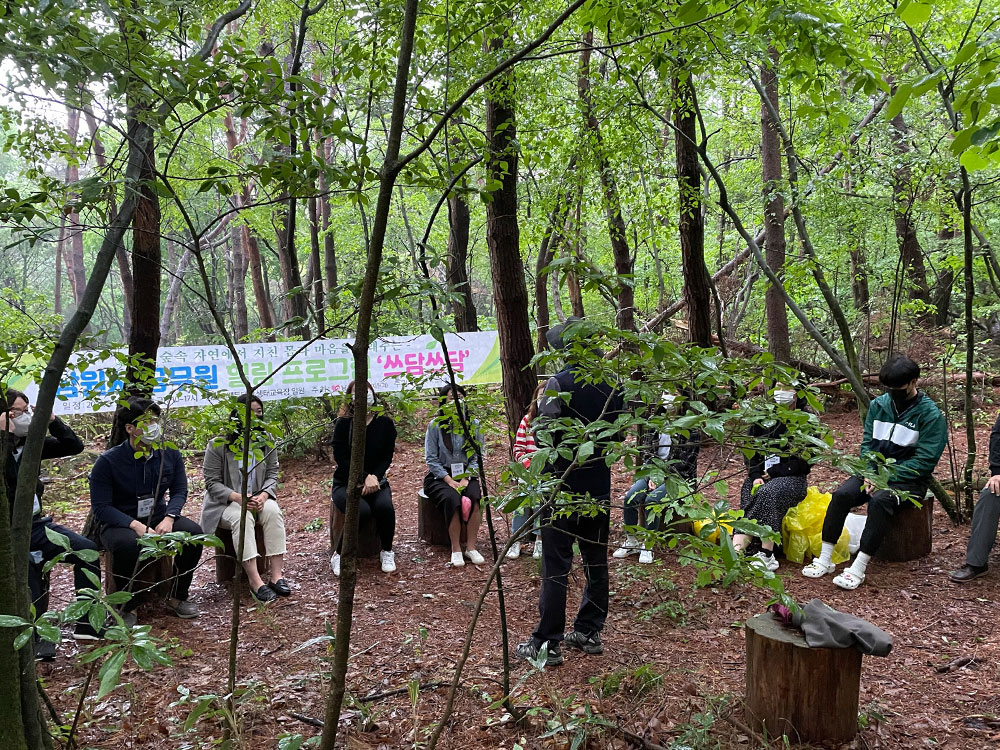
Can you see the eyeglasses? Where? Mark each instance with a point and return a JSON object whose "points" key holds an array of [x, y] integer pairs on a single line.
{"points": [[16, 412]]}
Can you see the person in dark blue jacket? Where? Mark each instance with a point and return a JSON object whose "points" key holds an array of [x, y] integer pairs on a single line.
{"points": [[129, 487], [586, 479]]}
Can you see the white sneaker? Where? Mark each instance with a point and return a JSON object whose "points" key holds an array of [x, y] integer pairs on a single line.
{"points": [[537, 553], [630, 546], [474, 557], [764, 561], [388, 561], [335, 564], [514, 552], [457, 560], [646, 556]]}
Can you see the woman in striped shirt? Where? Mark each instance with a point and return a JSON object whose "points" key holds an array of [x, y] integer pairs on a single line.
{"points": [[524, 446]]}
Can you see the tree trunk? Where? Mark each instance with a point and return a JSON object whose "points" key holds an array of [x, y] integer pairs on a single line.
{"points": [[463, 308], [945, 283], [510, 291], [316, 265], [551, 240], [174, 293], [691, 224], [240, 265], [329, 247], [625, 317], [778, 343], [12, 730], [911, 253], [576, 252], [859, 267]]}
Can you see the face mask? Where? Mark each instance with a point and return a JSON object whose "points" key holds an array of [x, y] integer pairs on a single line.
{"points": [[899, 396], [371, 398], [19, 425], [151, 433], [784, 398]]}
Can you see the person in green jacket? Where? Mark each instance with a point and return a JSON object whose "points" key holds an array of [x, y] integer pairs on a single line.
{"points": [[903, 424]]}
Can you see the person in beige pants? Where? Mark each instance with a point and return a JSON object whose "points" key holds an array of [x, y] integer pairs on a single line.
{"points": [[222, 506]]}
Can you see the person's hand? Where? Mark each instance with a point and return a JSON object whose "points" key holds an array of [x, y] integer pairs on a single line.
{"points": [[993, 485], [140, 528], [4, 424], [52, 418], [165, 526], [460, 485], [452, 483], [868, 487], [758, 482], [370, 485], [235, 497], [651, 484]]}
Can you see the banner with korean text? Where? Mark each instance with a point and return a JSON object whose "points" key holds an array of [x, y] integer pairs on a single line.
{"points": [[190, 375]]}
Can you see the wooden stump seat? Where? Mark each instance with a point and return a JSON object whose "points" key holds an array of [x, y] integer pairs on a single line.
{"points": [[431, 526], [808, 694], [368, 541], [909, 536], [225, 558], [153, 576]]}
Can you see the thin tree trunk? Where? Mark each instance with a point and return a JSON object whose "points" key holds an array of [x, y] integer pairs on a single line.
{"points": [[778, 343], [463, 308], [902, 210], [576, 252], [329, 246], [970, 343], [60, 244], [551, 240], [316, 264], [510, 291], [859, 265], [697, 291], [945, 283]]}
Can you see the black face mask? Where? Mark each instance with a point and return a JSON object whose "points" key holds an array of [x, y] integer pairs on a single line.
{"points": [[899, 396]]}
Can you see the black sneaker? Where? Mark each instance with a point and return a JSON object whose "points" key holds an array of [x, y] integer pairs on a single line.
{"points": [[44, 650], [589, 644], [85, 632], [529, 650]]}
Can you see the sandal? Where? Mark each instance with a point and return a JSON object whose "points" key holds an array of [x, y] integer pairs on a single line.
{"points": [[817, 569], [848, 580]]}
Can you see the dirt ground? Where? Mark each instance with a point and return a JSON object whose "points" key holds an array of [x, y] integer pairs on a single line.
{"points": [[672, 669]]}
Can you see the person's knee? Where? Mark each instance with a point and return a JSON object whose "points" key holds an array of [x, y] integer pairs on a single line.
{"points": [[988, 498], [270, 511]]}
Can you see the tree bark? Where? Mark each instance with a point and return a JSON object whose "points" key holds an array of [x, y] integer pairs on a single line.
{"points": [[945, 283], [691, 224], [510, 291], [911, 253], [551, 240], [329, 246], [316, 264], [463, 308], [778, 343], [859, 265], [576, 253], [625, 317]]}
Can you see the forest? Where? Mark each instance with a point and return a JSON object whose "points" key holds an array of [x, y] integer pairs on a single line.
{"points": [[724, 198]]}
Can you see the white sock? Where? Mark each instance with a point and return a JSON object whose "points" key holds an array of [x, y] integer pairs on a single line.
{"points": [[860, 564], [826, 554]]}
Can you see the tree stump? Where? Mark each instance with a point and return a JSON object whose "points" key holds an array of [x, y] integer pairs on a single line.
{"points": [[368, 541], [153, 576], [909, 536], [431, 525], [808, 694], [225, 558]]}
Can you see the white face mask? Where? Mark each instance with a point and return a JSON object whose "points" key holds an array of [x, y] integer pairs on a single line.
{"points": [[19, 425], [371, 398], [784, 398], [151, 433]]}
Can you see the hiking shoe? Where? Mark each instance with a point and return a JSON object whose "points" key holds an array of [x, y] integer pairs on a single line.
{"points": [[529, 651], [589, 644], [764, 561], [335, 564], [968, 573], [388, 560], [457, 559], [474, 557], [646, 556], [264, 594], [44, 650], [85, 632], [630, 546], [514, 552], [184, 609], [537, 553]]}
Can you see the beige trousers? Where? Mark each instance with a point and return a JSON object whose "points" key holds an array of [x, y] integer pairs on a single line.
{"points": [[271, 521]]}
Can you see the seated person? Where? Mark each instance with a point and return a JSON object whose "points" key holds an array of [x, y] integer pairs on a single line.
{"points": [[985, 518], [128, 487], [452, 481], [222, 507], [524, 448], [376, 494], [903, 424], [15, 418], [775, 483], [682, 453]]}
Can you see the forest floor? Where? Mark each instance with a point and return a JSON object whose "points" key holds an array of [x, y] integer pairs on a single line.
{"points": [[672, 669]]}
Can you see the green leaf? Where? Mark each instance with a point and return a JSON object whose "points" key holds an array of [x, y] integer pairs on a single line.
{"points": [[973, 160], [898, 100], [586, 451], [11, 621], [111, 672], [22, 638], [965, 53], [913, 13]]}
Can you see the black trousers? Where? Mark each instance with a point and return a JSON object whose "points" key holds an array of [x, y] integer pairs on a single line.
{"points": [[379, 505], [50, 550], [882, 506], [447, 499], [123, 544], [558, 535]]}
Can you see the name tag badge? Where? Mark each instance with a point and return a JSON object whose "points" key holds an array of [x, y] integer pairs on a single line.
{"points": [[771, 461], [145, 506], [456, 469]]}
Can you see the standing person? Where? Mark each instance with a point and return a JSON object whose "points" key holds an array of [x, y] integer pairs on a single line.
{"points": [[222, 506], [775, 483], [985, 518], [452, 480], [587, 482], [129, 485], [15, 418], [903, 424], [376, 494], [524, 448], [681, 452]]}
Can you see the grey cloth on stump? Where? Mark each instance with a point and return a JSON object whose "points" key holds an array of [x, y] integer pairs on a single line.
{"points": [[825, 627]]}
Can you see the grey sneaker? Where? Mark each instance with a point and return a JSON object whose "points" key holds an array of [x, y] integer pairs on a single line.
{"points": [[589, 644], [185, 610], [529, 650]]}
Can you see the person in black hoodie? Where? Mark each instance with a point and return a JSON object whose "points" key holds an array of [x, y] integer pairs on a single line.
{"points": [[15, 417], [376, 494], [587, 481], [775, 482]]}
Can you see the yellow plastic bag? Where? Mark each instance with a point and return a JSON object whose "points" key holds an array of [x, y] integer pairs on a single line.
{"points": [[714, 536], [802, 530]]}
